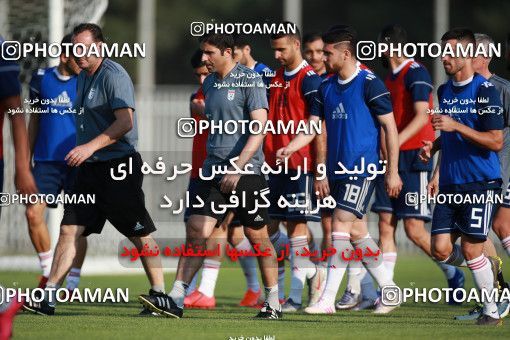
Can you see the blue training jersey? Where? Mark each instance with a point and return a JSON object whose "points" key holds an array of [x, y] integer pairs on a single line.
{"points": [[350, 109], [57, 128], [464, 165]]}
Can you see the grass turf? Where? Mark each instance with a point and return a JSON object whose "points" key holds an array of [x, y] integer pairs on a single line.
{"points": [[120, 321]]}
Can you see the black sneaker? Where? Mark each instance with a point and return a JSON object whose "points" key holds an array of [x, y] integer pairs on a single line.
{"points": [[147, 312], [161, 304], [269, 313], [485, 320], [41, 308]]}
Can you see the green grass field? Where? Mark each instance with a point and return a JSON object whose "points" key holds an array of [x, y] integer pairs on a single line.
{"points": [[120, 321]]}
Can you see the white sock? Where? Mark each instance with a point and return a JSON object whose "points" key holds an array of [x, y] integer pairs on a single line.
{"points": [[506, 244], [484, 280], [158, 288], [389, 260], [353, 278], [336, 268], [456, 258], [374, 265], [448, 270], [302, 267], [45, 260], [368, 290], [178, 293], [281, 282], [272, 296], [73, 278], [193, 284], [210, 271], [249, 265]]}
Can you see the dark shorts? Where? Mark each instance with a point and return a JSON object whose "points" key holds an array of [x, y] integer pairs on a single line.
{"points": [[53, 177], [473, 219], [248, 214], [300, 189], [192, 187], [120, 202], [352, 195], [414, 183]]}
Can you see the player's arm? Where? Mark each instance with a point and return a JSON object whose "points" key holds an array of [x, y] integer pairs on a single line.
{"points": [[301, 140], [197, 104], [121, 94], [123, 124], [320, 145], [419, 84], [229, 181], [309, 88], [316, 113], [429, 148], [378, 101], [392, 178], [433, 185], [490, 136]]}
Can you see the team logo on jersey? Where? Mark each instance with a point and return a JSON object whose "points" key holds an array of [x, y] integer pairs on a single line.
{"points": [[63, 99], [91, 93], [339, 112], [231, 94]]}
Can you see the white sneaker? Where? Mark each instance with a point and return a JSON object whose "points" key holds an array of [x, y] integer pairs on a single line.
{"points": [[316, 285], [381, 308], [319, 308], [348, 300]]}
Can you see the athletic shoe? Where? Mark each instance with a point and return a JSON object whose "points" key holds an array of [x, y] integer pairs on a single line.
{"points": [[503, 309], [269, 313], [161, 304], [365, 304], [381, 308], [200, 301], [317, 284], [348, 300], [473, 314], [485, 320], [42, 282], [320, 308], [251, 298], [290, 306], [457, 281], [147, 312], [7, 318], [41, 308]]}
